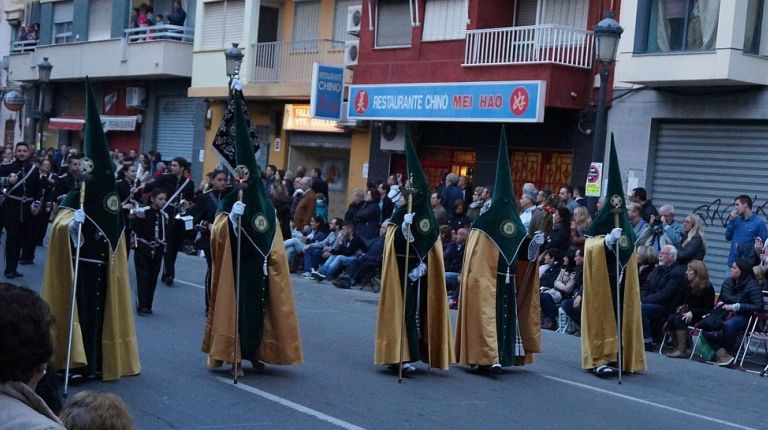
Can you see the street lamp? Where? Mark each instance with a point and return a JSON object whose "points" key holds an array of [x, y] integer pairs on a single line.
{"points": [[607, 35], [43, 76], [233, 56]]}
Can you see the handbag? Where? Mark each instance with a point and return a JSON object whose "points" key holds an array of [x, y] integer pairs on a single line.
{"points": [[714, 320]]}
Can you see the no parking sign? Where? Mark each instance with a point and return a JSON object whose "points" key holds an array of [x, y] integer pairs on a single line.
{"points": [[594, 180]]}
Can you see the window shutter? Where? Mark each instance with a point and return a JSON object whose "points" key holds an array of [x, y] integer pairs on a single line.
{"points": [[305, 22], [213, 25], [62, 12], [99, 19], [444, 20], [570, 13], [526, 12], [393, 23], [235, 20], [340, 19]]}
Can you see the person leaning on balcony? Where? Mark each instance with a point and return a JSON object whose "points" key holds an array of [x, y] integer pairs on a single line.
{"points": [[177, 15]]}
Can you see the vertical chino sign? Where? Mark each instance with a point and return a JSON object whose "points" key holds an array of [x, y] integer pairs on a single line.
{"points": [[327, 92]]}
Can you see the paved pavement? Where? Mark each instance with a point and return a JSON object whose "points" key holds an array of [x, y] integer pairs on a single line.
{"points": [[339, 387]]}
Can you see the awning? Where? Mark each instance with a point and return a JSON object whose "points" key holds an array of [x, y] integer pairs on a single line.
{"points": [[109, 122]]}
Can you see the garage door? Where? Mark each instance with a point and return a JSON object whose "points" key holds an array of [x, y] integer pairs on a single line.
{"points": [[701, 167], [175, 127]]}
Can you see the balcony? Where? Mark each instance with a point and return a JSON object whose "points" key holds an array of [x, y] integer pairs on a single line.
{"points": [[21, 46], [285, 67], [157, 51], [537, 44]]}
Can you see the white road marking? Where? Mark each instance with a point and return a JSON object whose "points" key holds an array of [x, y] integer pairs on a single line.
{"points": [[189, 283], [649, 403], [289, 404]]}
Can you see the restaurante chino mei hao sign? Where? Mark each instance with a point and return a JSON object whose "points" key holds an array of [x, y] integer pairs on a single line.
{"points": [[514, 101]]}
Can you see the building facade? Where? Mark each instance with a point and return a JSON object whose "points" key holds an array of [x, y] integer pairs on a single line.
{"points": [[11, 117], [690, 108], [140, 67], [450, 72]]}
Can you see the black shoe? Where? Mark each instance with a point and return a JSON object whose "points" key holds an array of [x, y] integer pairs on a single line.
{"points": [[10, 275], [604, 371], [144, 311], [26, 262], [168, 282]]}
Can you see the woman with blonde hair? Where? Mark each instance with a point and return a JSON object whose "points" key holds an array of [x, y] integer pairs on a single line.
{"points": [[646, 261], [694, 245], [579, 224], [699, 301]]}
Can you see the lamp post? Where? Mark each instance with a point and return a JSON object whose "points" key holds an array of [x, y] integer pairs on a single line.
{"points": [[607, 35], [43, 76], [233, 56]]}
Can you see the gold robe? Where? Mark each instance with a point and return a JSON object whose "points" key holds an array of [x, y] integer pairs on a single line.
{"points": [[281, 343], [390, 314], [476, 330], [599, 337], [120, 353]]}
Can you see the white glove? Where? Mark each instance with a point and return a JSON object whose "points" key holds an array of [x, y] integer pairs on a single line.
{"points": [[417, 272], [79, 216], [612, 237], [238, 209], [408, 218], [539, 238]]}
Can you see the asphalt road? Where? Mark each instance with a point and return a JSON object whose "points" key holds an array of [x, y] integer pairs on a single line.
{"points": [[339, 387]]}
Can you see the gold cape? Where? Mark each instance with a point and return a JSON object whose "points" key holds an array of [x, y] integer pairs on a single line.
{"points": [[120, 352], [476, 330], [281, 343], [599, 342], [390, 314]]}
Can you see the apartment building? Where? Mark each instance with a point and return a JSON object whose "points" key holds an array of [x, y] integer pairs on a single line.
{"points": [[140, 69], [11, 118]]}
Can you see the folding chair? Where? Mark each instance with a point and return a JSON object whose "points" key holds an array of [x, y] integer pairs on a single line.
{"points": [[694, 335], [757, 330]]}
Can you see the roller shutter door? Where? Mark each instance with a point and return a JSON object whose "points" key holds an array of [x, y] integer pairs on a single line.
{"points": [[698, 163], [175, 127]]}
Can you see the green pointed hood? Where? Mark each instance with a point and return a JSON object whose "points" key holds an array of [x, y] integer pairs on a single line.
{"points": [[424, 228], [102, 203], [501, 221], [614, 212], [259, 218]]}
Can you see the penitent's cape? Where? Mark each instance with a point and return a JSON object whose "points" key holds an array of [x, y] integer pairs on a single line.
{"points": [[120, 352]]}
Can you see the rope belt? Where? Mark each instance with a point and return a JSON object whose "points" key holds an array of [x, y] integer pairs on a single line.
{"points": [[153, 244], [90, 260]]}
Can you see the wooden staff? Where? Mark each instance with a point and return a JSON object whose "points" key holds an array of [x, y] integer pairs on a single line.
{"points": [[405, 289], [74, 292]]}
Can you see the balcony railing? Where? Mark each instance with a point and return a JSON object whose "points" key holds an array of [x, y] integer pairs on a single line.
{"points": [[536, 44], [291, 61], [160, 32], [21, 46]]}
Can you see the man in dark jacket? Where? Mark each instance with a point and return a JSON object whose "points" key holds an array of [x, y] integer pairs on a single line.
{"points": [[662, 291], [365, 264], [640, 196], [351, 244]]}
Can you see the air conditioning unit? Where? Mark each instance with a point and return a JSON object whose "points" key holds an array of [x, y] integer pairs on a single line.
{"points": [[392, 136], [345, 121], [351, 53], [354, 19], [135, 97]]}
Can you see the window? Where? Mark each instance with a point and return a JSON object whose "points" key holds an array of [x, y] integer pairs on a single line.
{"points": [[756, 31], [393, 23], [340, 20], [62, 23], [568, 13], [223, 23], [305, 26], [682, 25], [444, 20]]}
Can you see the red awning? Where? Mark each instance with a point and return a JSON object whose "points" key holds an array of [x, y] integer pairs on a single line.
{"points": [[66, 123]]}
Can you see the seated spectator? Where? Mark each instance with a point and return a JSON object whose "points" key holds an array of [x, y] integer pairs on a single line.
{"points": [[313, 252], [453, 256], [446, 235], [25, 348], [553, 291], [351, 244], [560, 233], [694, 245], [366, 218], [457, 218], [646, 261], [740, 295], [358, 200], [661, 293], [90, 410], [699, 300], [441, 215], [315, 232], [579, 225], [572, 306], [365, 264]]}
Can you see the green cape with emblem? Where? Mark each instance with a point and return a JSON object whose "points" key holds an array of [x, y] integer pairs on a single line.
{"points": [[102, 203]]}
